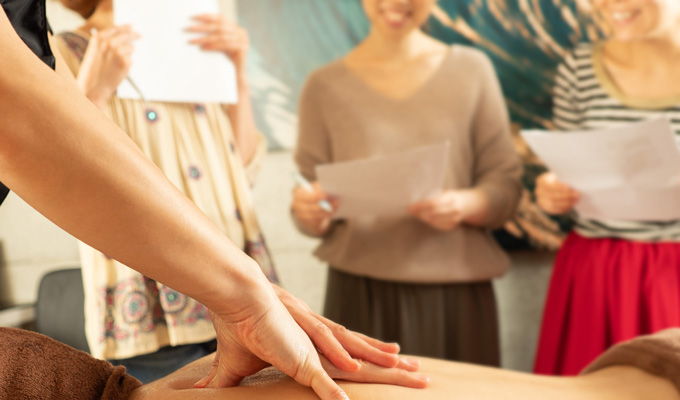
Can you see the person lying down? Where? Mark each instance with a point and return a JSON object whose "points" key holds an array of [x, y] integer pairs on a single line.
{"points": [[34, 366]]}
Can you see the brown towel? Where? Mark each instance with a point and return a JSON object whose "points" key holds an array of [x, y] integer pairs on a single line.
{"points": [[658, 354], [33, 366]]}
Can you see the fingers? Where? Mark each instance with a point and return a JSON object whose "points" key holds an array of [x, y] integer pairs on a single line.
{"points": [[221, 375], [209, 18], [441, 212], [553, 196], [308, 211], [220, 35], [225, 43], [370, 373], [408, 364], [379, 344], [325, 387], [338, 344], [203, 382], [122, 33], [318, 331], [356, 346]]}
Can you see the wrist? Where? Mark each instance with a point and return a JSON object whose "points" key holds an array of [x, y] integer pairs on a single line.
{"points": [[246, 289], [474, 205], [99, 96]]}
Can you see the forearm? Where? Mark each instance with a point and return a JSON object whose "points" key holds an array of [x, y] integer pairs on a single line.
{"points": [[243, 121], [61, 155], [475, 204], [97, 97], [502, 197]]}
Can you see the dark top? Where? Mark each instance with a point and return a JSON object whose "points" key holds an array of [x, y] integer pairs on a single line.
{"points": [[30, 21]]}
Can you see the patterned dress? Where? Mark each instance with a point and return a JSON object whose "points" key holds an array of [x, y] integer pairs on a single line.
{"points": [[128, 314]]}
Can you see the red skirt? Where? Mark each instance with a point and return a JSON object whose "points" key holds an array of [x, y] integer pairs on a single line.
{"points": [[604, 291]]}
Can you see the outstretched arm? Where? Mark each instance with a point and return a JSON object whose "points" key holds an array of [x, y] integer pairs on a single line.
{"points": [[65, 158]]}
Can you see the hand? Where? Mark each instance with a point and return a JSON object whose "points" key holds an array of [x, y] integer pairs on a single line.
{"points": [[553, 196], [340, 345], [261, 333], [223, 36], [106, 63], [307, 211], [447, 210], [371, 373]]}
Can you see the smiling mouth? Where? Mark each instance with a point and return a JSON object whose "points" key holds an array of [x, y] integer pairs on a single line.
{"points": [[623, 17], [395, 16]]}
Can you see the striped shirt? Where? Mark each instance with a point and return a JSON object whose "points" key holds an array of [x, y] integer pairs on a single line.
{"points": [[585, 98]]}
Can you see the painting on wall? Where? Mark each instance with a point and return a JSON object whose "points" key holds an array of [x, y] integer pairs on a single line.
{"points": [[525, 39]]}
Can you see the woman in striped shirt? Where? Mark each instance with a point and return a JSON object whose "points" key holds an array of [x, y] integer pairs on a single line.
{"points": [[613, 280]]}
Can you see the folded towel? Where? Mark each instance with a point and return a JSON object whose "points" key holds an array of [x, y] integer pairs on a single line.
{"points": [[658, 354], [33, 366]]}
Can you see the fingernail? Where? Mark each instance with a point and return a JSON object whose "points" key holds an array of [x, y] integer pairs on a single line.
{"points": [[412, 362]]}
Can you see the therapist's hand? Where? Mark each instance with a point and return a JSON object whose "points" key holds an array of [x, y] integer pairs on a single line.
{"points": [[259, 331], [371, 373], [451, 208], [223, 36], [553, 196], [106, 63], [314, 219], [340, 345]]}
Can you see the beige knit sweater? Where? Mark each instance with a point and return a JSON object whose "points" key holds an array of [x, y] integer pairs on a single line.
{"points": [[341, 118]]}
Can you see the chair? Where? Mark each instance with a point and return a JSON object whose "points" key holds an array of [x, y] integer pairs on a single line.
{"points": [[60, 309]]}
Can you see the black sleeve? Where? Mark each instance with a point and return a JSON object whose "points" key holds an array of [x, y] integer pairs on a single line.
{"points": [[30, 21]]}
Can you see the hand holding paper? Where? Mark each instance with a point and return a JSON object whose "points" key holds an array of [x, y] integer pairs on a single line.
{"points": [[629, 173], [166, 67], [106, 62], [385, 186], [222, 36], [451, 208], [553, 196], [312, 208]]}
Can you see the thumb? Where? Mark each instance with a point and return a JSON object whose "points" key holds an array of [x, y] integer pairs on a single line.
{"points": [[224, 377], [213, 371], [219, 376], [325, 387]]}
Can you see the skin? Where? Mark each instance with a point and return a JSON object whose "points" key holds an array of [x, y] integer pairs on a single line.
{"points": [[641, 57], [57, 150], [396, 59], [449, 380]]}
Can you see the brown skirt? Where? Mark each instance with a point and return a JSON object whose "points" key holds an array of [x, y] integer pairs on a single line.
{"points": [[451, 321]]}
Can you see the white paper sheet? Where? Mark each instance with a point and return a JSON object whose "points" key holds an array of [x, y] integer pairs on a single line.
{"points": [[385, 186], [165, 67], [630, 172]]}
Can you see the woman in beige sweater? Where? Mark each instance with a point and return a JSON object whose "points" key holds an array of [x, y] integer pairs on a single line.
{"points": [[423, 278]]}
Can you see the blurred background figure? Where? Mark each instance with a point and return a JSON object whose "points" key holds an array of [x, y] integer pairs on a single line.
{"points": [[209, 151], [613, 280], [422, 279]]}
